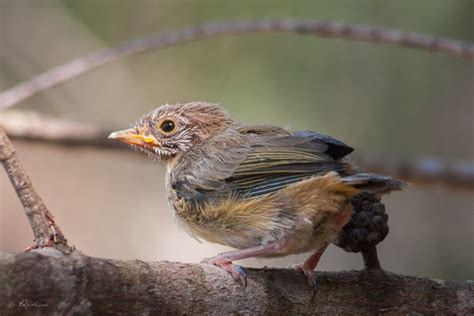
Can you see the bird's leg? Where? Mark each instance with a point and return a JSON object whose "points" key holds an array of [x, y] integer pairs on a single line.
{"points": [[224, 260], [308, 266]]}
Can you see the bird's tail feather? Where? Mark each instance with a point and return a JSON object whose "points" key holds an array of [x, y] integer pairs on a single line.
{"points": [[374, 183]]}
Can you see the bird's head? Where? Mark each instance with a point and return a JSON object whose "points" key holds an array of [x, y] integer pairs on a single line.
{"points": [[170, 130]]}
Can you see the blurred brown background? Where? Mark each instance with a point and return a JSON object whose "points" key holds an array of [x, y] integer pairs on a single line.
{"points": [[380, 99]]}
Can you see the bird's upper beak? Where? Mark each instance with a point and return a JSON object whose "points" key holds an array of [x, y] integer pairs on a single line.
{"points": [[132, 137]]}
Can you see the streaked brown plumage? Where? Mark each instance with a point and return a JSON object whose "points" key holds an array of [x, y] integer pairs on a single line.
{"points": [[261, 189]]}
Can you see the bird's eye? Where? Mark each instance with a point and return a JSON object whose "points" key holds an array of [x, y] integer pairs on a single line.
{"points": [[168, 126]]}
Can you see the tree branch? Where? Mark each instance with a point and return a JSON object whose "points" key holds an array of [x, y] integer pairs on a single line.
{"points": [[45, 230], [451, 174], [323, 29], [31, 126], [76, 284]]}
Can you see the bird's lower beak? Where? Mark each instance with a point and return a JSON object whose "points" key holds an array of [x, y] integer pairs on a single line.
{"points": [[131, 137]]}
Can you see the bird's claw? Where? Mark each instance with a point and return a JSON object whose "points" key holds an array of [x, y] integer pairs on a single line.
{"points": [[311, 276], [315, 287], [243, 273], [238, 273]]}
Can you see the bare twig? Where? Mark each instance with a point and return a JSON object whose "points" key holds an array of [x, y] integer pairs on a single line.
{"points": [[45, 230], [325, 29], [424, 171], [34, 126]]}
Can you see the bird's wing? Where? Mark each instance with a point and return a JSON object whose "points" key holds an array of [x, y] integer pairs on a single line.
{"points": [[281, 161], [303, 139], [268, 161]]}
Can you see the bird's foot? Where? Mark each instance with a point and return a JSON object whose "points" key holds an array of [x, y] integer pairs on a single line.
{"points": [[239, 273], [310, 275]]}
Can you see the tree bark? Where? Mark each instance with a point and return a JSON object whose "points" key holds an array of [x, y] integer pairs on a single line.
{"points": [[47, 281]]}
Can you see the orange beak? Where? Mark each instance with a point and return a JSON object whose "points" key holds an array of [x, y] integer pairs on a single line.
{"points": [[130, 136]]}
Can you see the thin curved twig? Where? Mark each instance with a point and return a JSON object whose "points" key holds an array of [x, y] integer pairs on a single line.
{"points": [[324, 29], [45, 230], [452, 174]]}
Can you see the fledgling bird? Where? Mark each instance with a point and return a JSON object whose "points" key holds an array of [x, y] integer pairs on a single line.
{"points": [[261, 189]]}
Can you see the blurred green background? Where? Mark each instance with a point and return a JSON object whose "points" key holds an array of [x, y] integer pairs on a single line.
{"points": [[380, 99]]}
